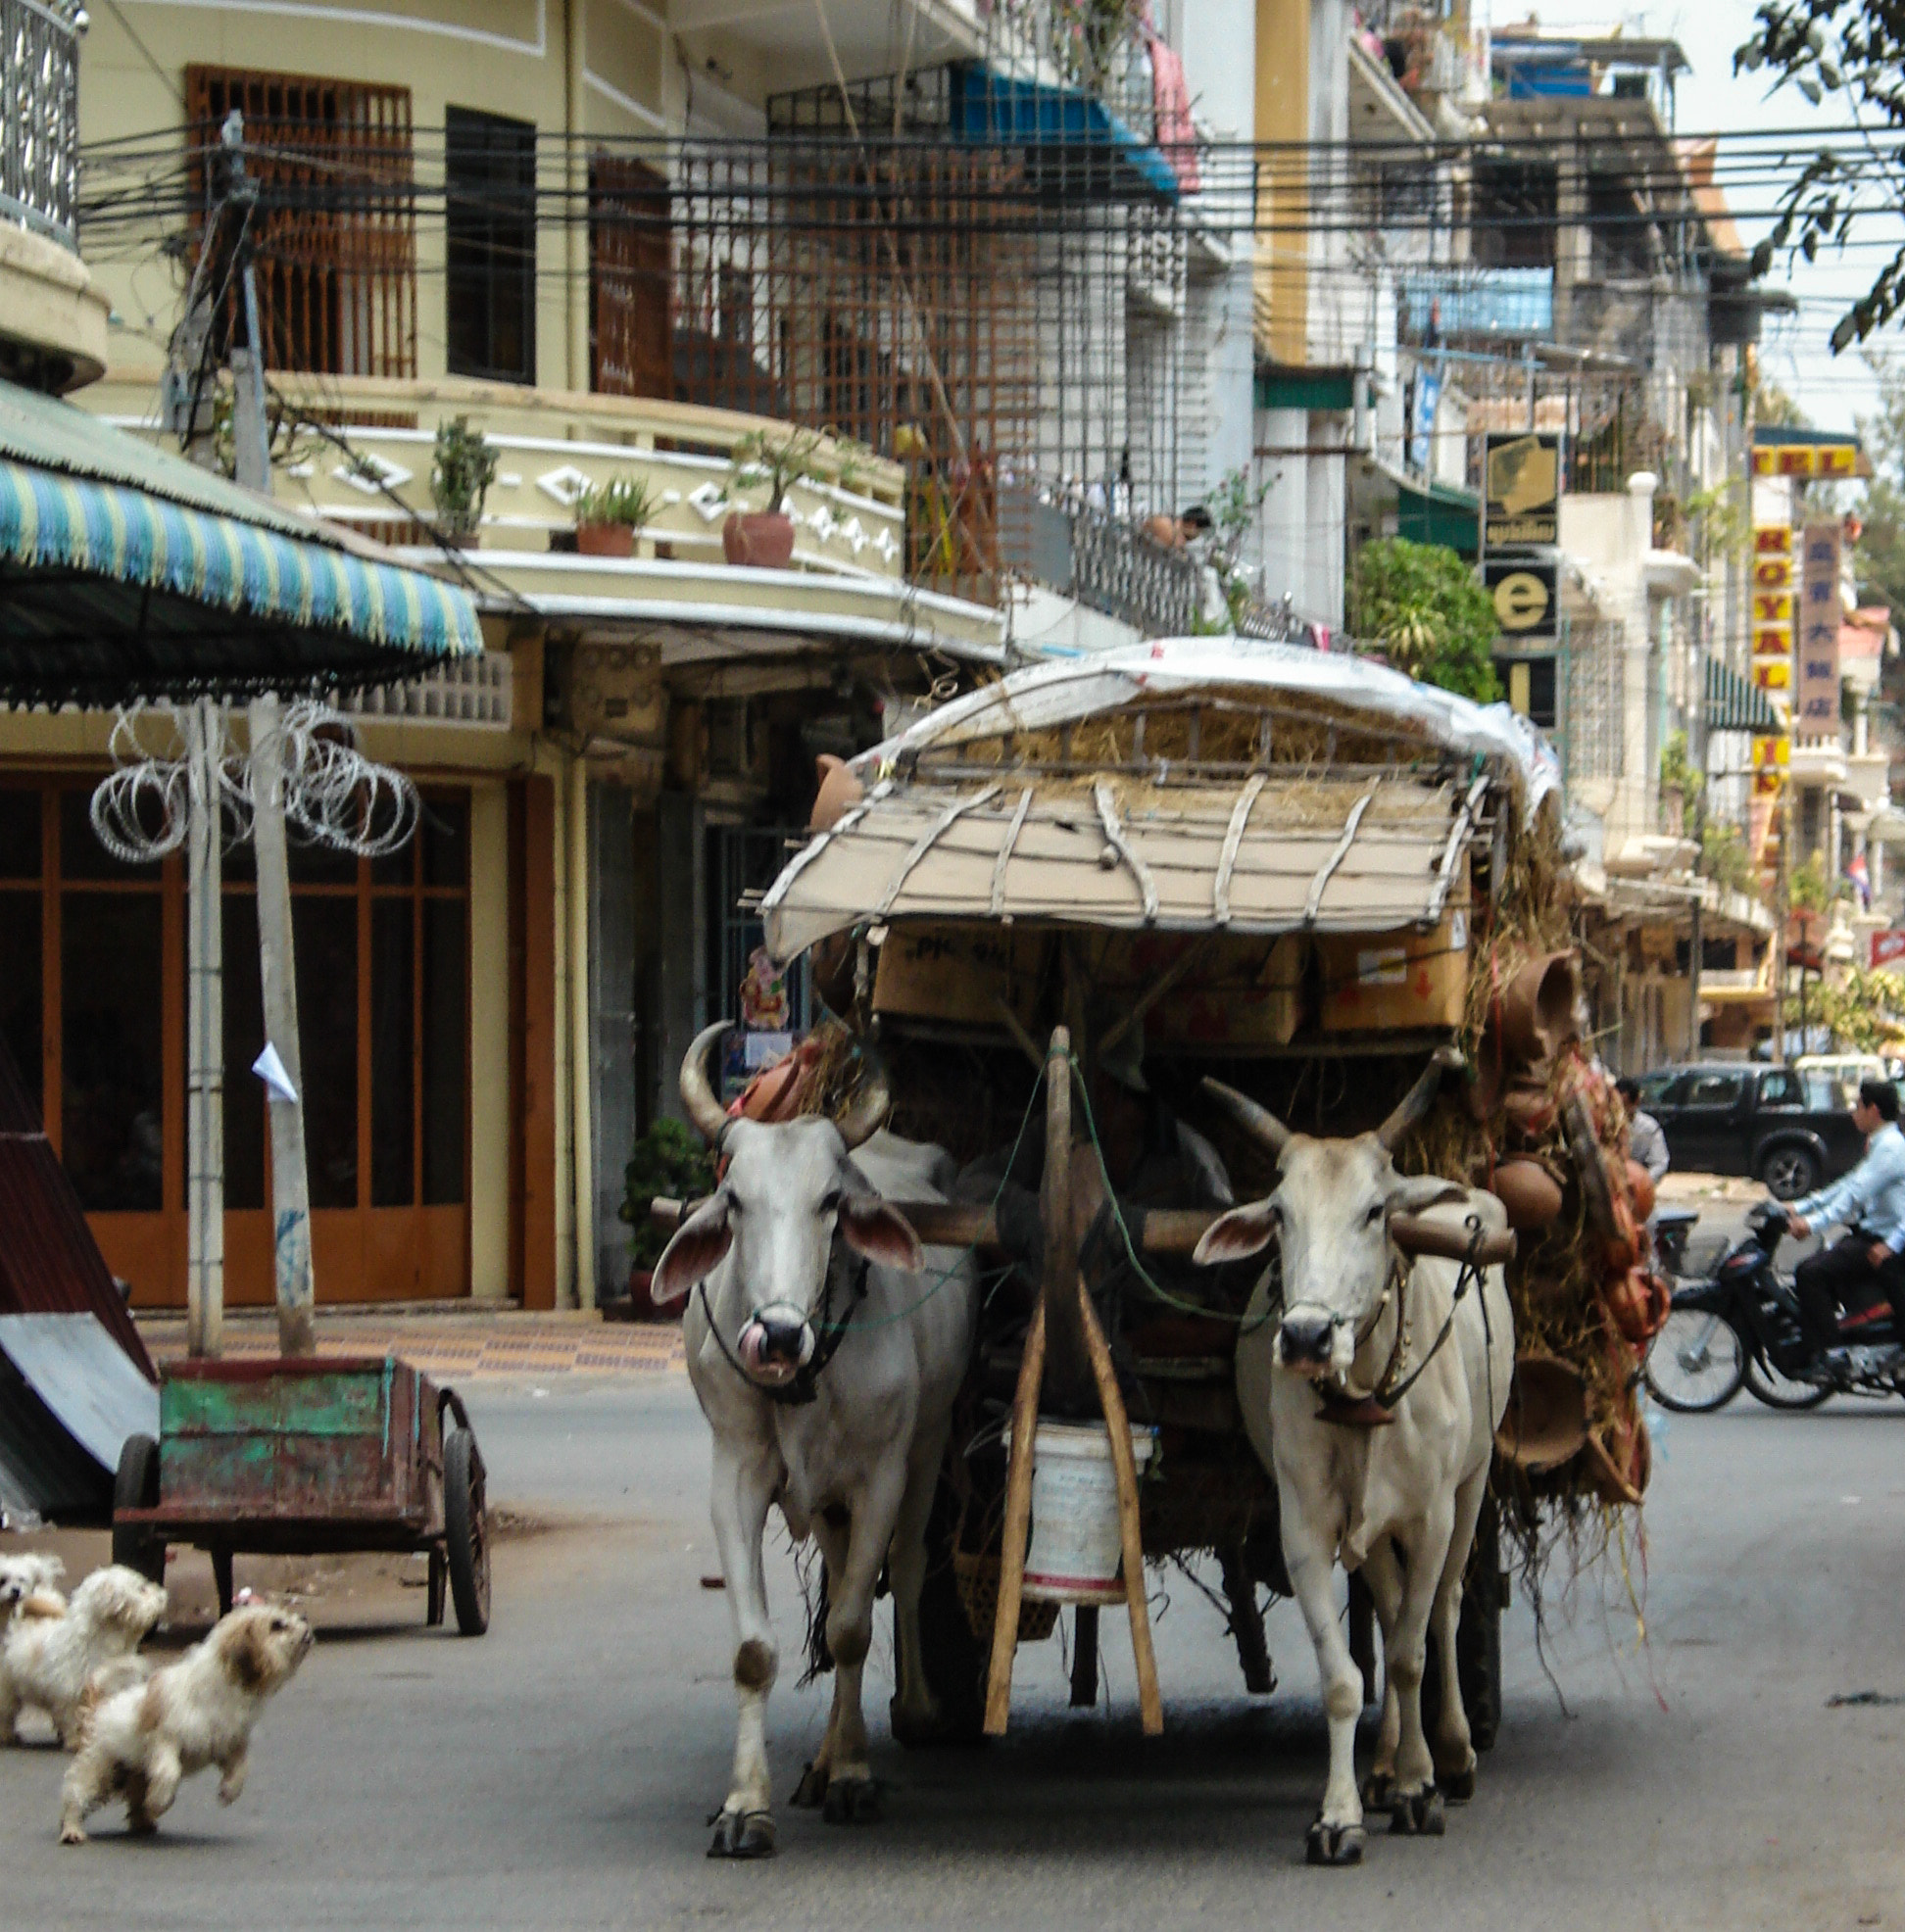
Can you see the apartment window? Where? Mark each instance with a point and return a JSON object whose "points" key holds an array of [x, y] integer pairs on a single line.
{"points": [[489, 171], [1516, 205], [335, 233], [631, 280]]}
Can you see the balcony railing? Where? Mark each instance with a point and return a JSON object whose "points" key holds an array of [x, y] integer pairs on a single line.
{"points": [[1105, 564], [39, 116]]}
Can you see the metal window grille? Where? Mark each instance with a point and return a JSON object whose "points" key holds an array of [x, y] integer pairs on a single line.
{"points": [[334, 237], [39, 119], [743, 861], [1593, 709]]}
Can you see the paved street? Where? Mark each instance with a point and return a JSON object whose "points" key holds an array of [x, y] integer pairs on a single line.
{"points": [[558, 1772]]}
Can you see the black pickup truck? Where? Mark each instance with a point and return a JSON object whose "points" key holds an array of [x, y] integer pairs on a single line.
{"points": [[1772, 1123]]}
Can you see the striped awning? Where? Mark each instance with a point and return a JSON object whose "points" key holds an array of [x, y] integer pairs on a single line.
{"points": [[129, 572], [1733, 705]]}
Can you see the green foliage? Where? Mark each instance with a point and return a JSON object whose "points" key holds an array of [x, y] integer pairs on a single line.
{"points": [[1809, 889], [1718, 516], [621, 500], [1855, 49], [669, 1160], [777, 461], [1232, 508], [1724, 859], [1878, 559], [1678, 774], [463, 468], [1422, 603], [1865, 1011]]}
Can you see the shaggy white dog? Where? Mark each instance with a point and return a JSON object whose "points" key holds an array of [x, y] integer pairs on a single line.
{"points": [[198, 1711], [29, 1573], [49, 1654]]}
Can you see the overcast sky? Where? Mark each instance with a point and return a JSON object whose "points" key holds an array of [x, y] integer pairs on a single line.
{"points": [[1795, 351]]}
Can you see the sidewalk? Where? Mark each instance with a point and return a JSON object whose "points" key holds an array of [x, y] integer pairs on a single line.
{"points": [[457, 1344]]}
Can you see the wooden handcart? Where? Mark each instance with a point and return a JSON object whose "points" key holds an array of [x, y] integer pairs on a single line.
{"points": [[310, 1455]]}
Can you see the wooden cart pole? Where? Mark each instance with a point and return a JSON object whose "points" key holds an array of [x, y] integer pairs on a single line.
{"points": [[1068, 1367], [1151, 1704], [1018, 1518]]}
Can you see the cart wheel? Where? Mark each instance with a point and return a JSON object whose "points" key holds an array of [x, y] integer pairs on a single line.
{"points": [[136, 1487], [439, 1577], [466, 1531]]}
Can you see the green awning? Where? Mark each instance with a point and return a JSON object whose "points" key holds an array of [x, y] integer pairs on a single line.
{"points": [[127, 572], [1733, 705], [1435, 513], [1282, 388]]}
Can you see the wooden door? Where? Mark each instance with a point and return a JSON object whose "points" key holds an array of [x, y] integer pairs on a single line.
{"points": [[631, 280]]}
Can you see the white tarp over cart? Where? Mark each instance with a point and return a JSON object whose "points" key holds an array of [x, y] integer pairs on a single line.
{"points": [[1195, 843]]}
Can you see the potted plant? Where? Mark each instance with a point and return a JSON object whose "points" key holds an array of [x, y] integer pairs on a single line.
{"points": [[609, 515], [669, 1160], [765, 538], [463, 468]]}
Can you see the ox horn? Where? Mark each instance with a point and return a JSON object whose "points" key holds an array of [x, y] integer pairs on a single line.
{"points": [[707, 1113], [1419, 1098], [1260, 1123], [873, 1102]]}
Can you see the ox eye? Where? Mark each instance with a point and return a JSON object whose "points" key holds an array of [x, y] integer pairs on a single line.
{"points": [[830, 1203], [1373, 1215]]}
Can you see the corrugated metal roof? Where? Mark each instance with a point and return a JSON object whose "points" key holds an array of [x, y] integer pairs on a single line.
{"points": [[49, 1261], [1733, 705]]}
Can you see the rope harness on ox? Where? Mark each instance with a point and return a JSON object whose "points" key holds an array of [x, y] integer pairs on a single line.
{"points": [[802, 1385], [1377, 1408]]}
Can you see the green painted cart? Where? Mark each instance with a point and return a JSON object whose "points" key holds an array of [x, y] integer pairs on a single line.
{"points": [[309, 1456]]}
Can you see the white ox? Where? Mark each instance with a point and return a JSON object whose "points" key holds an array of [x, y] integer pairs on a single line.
{"points": [[1392, 1486], [826, 1347]]}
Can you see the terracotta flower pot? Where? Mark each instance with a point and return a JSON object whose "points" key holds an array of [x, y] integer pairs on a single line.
{"points": [[1545, 1422], [1640, 1186], [1530, 1193], [1538, 1009], [1618, 1459], [1639, 1301], [840, 791], [758, 539], [605, 539]]}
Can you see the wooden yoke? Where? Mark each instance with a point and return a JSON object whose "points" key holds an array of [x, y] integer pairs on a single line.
{"points": [[1065, 1336]]}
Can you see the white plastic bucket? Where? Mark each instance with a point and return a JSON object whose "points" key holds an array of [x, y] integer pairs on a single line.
{"points": [[1076, 1548]]}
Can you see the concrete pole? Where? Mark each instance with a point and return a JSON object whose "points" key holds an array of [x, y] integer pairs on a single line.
{"points": [[278, 971], [581, 1037], [205, 1037]]}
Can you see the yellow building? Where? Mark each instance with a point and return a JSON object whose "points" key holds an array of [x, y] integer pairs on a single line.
{"points": [[454, 221]]}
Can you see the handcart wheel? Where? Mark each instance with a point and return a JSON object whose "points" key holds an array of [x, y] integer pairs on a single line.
{"points": [[465, 1530], [136, 1487]]}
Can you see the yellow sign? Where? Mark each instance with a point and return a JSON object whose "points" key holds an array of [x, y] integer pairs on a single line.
{"points": [[1773, 540], [1805, 459], [1770, 753], [1522, 489], [1773, 608], [1773, 673], [1521, 601], [1773, 573]]}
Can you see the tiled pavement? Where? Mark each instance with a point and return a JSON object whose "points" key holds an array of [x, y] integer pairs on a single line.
{"points": [[454, 1345]]}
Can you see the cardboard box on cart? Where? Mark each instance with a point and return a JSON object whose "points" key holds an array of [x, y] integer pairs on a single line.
{"points": [[1398, 981]]}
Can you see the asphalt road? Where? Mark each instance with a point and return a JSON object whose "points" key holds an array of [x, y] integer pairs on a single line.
{"points": [[558, 1772]]}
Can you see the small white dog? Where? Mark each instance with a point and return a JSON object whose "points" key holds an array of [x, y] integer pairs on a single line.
{"points": [[198, 1711], [50, 1653], [29, 1573]]}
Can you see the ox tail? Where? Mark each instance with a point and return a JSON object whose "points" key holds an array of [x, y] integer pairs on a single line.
{"points": [[812, 1569]]}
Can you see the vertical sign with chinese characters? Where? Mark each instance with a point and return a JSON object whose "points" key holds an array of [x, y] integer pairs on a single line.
{"points": [[1816, 711], [1773, 592]]}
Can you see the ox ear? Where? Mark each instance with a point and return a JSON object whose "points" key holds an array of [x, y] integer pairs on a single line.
{"points": [[1238, 1234], [1417, 1193], [695, 1250], [878, 1230]]}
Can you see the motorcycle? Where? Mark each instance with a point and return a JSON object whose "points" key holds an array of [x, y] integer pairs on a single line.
{"points": [[1740, 1326]]}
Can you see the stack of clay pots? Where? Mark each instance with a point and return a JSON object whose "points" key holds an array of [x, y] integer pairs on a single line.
{"points": [[1561, 1140]]}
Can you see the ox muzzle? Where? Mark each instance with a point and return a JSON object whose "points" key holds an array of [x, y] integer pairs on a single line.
{"points": [[776, 1343], [1315, 1343]]}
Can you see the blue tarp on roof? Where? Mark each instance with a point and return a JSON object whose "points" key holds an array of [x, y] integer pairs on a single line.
{"points": [[993, 107]]}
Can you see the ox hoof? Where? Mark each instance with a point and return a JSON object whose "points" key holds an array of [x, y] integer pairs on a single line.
{"points": [[1458, 1787], [1334, 1844], [1419, 1814], [743, 1835], [1379, 1791], [811, 1791], [852, 1800]]}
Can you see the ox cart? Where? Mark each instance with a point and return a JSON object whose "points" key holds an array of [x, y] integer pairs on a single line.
{"points": [[1056, 905]]}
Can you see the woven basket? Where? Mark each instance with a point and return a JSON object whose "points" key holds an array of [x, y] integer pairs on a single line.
{"points": [[977, 1576]]}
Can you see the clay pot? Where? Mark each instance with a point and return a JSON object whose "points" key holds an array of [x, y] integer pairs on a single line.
{"points": [[1638, 1302], [757, 539], [1530, 1113], [605, 539], [1640, 1186], [1537, 1010], [1530, 1193], [840, 791], [1545, 1422]]}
